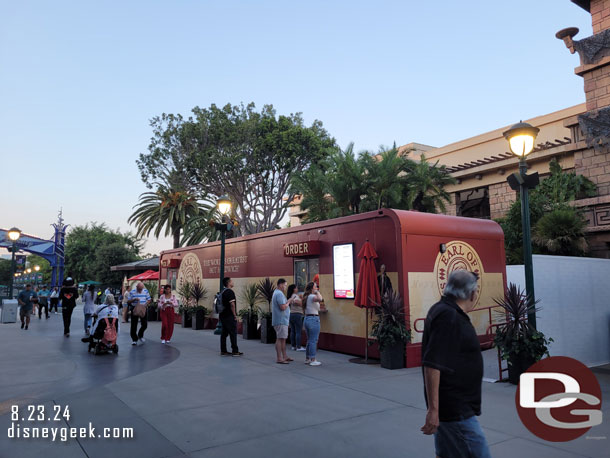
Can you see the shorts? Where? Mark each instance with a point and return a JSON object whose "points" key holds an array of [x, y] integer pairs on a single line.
{"points": [[462, 438], [281, 331], [23, 313]]}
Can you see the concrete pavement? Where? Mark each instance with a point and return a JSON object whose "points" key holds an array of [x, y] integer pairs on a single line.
{"points": [[183, 399]]}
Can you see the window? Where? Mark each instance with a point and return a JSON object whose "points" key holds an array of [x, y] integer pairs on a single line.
{"points": [[304, 271], [474, 203], [172, 274]]}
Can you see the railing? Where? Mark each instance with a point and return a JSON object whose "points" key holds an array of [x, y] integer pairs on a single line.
{"points": [[488, 332]]}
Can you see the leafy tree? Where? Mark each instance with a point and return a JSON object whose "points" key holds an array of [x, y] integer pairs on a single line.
{"points": [[45, 267], [93, 248], [386, 179], [250, 156], [312, 186], [171, 206], [553, 193], [346, 181], [5, 271]]}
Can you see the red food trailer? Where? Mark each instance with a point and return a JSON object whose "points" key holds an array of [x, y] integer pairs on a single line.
{"points": [[419, 251]]}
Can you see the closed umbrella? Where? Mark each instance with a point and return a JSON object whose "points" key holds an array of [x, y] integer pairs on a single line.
{"points": [[367, 289]]}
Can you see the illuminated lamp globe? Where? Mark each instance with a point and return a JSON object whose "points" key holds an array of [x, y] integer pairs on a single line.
{"points": [[36, 268], [224, 205], [14, 234], [28, 270], [521, 138]]}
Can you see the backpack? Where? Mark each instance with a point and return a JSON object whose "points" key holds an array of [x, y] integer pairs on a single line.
{"points": [[218, 305], [109, 332]]}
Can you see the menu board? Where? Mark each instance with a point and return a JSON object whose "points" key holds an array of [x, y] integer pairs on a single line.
{"points": [[343, 271]]}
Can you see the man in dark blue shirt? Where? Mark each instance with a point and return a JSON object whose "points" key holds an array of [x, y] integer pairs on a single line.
{"points": [[453, 371], [26, 300]]}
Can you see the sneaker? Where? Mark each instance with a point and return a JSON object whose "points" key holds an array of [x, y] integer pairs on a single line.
{"points": [[65, 335], [307, 361], [26, 327], [294, 348], [237, 353], [168, 341], [315, 363], [162, 341], [301, 349], [225, 353], [134, 343], [142, 341], [22, 325]]}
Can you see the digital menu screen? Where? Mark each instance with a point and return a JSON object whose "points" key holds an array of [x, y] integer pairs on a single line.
{"points": [[343, 271]]}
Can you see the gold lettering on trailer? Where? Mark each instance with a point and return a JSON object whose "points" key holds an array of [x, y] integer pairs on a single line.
{"points": [[458, 256]]}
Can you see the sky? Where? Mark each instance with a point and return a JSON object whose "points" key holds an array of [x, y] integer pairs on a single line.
{"points": [[80, 81]]}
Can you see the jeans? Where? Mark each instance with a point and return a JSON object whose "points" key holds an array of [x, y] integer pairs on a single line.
{"points": [[134, 326], [229, 328], [41, 304], [461, 439], [88, 320], [54, 302], [296, 326], [312, 329]]}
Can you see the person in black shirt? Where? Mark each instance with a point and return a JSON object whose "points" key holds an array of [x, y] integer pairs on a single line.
{"points": [[67, 295], [452, 365], [228, 320]]}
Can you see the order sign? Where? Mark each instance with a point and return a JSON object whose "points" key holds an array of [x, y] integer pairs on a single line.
{"points": [[343, 271]]}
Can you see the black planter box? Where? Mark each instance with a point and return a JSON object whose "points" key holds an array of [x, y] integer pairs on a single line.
{"points": [[187, 320], [517, 365], [198, 320], [248, 327], [267, 331], [151, 314], [393, 357]]}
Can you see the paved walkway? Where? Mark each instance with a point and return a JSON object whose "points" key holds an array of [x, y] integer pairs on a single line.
{"points": [[186, 400]]}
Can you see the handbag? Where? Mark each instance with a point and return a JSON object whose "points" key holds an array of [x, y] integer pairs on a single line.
{"points": [[139, 310]]}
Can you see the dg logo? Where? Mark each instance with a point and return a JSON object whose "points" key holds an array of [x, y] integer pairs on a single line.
{"points": [[559, 399]]}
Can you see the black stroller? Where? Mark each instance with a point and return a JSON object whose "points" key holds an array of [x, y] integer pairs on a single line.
{"points": [[102, 342]]}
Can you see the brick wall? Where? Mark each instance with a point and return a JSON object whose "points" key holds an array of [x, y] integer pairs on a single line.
{"points": [[500, 199], [597, 87], [595, 165], [600, 15], [451, 208]]}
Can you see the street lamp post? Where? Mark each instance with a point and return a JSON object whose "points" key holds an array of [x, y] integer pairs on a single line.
{"points": [[224, 207], [521, 138], [14, 235]]}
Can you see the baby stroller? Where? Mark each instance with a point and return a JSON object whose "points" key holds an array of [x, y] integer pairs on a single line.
{"points": [[103, 340]]}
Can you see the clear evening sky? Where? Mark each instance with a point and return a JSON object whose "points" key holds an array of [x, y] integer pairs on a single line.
{"points": [[79, 81]]}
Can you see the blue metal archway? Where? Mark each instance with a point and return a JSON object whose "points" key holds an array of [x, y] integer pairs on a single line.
{"points": [[51, 250]]}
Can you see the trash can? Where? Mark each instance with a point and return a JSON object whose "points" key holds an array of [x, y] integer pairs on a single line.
{"points": [[9, 311]]}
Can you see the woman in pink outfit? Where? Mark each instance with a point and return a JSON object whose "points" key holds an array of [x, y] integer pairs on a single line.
{"points": [[167, 302]]}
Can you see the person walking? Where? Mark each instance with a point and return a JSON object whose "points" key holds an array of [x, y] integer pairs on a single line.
{"points": [[280, 320], [138, 296], [43, 302], [54, 299], [68, 295], [296, 318], [26, 300], [167, 302], [452, 367], [312, 299], [89, 308], [228, 319], [125, 299]]}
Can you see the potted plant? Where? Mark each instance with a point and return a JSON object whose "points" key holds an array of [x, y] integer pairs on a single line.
{"points": [[198, 312], [249, 315], [517, 341], [185, 293], [265, 289], [390, 331], [151, 311]]}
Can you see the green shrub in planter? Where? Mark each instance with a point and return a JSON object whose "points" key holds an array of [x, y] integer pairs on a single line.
{"points": [[518, 342], [249, 316], [390, 331], [186, 312], [266, 288], [198, 314]]}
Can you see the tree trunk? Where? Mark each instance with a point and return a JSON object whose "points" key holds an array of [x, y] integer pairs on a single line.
{"points": [[177, 239]]}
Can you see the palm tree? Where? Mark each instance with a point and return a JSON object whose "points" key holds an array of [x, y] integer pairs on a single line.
{"points": [[386, 179], [347, 182], [312, 186], [561, 232], [426, 185], [169, 207]]}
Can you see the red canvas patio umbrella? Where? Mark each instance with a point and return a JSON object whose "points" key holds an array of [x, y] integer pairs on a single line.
{"points": [[148, 275], [367, 289]]}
